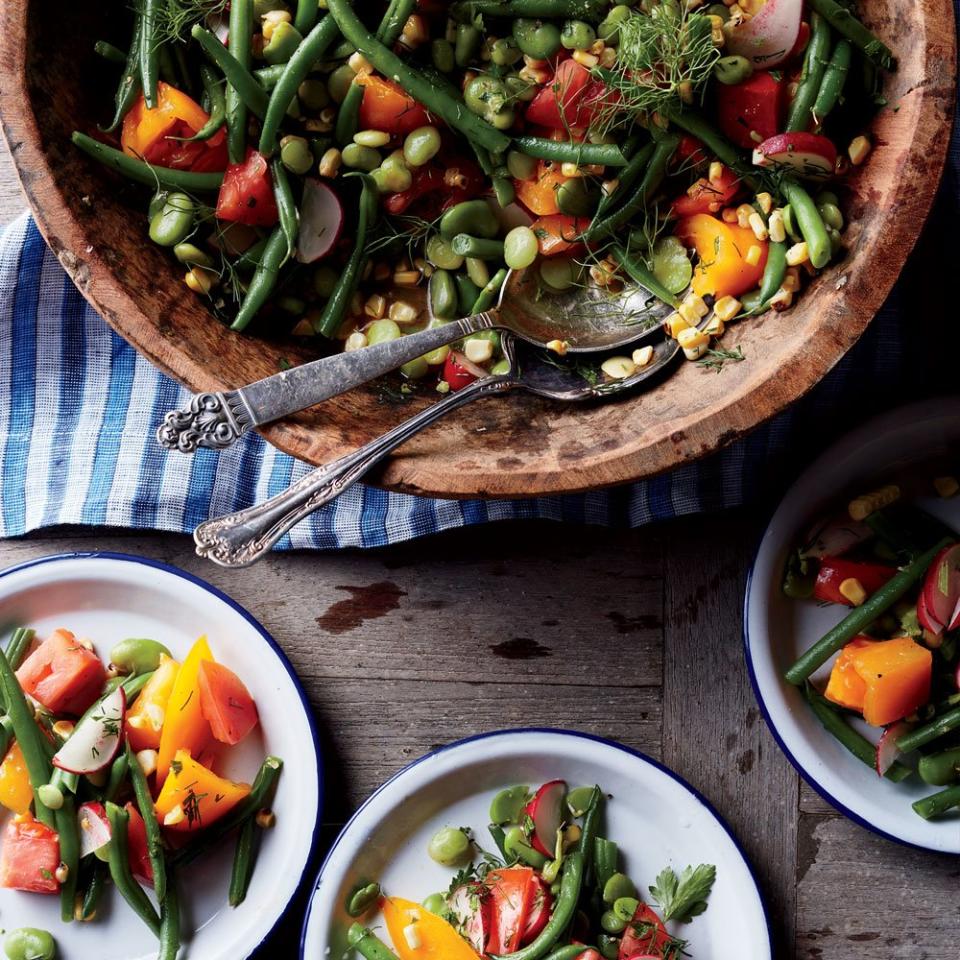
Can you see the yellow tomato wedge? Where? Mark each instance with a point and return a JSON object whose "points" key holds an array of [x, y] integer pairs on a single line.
{"points": [[16, 794], [437, 939], [193, 797], [184, 727], [145, 718]]}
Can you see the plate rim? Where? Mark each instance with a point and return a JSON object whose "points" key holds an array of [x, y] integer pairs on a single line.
{"points": [[507, 733], [852, 437], [264, 634]]}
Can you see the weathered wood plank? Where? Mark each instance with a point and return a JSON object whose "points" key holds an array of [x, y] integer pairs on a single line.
{"points": [[12, 203], [713, 733], [860, 897]]}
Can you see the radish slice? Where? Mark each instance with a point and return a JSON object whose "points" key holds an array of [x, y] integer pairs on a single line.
{"points": [[887, 750], [809, 155], [94, 828], [768, 38], [835, 537], [96, 738], [470, 904], [941, 586], [546, 811], [321, 220], [926, 619], [955, 618]]}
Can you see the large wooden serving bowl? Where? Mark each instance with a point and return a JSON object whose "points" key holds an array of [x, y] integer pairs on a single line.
{"points": [[51, 82]]}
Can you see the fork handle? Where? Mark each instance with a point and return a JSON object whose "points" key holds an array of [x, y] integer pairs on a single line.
{"points": [[217, 420], [240, 539]]}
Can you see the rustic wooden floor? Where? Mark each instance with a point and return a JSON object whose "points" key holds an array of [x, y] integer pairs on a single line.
{"points": [[634, 635]]}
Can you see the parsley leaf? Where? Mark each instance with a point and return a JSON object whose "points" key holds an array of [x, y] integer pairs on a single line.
{"points": [[685, 897]]}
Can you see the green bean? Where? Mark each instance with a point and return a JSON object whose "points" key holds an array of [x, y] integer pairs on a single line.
{"points": [[502, 184], [368, 944], [861, 617], [130, 83], [259, 797], [264, 278], [846, 24], [627, 178], [269, 76], [239, 39], [466, 246], [146, 173], [336, 306], [576, 864], [18, 646], [242, 869], [109, 52], [773, 274], [835, 724], [65, 823], [834, 77], [499, 838], [170, 922], [6, 734], [117, 778], [552, 9], [515, 840], [568, 952], [168, 69], [814, 65], [652, 178], [467, 43], [637, 269], [809, 222], [29, 737], [940, 769], [937, 803], [434, 99], [567, 151], [443, 295], [489, 295], [286, 205], [715, 141], [141, 791], [150, 50], [123, 880], [94, 891], [214, 89], [605, 860], [243, 92], [183, 68], [295, 71], [923, 735], [305, 18]]}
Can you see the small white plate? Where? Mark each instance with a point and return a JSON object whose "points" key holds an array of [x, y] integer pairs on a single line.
{"points": [[655, 818], [108, 597], [777, 630]]}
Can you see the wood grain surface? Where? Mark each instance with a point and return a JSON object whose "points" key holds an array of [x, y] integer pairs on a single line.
{"points": [[514, 446]]}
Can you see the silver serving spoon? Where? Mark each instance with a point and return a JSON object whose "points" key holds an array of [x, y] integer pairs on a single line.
{"points": [[240, 539], [589, 319]]}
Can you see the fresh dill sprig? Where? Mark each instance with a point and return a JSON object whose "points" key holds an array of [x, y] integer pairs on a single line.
{"points": [[716, 358], [176, 17]]}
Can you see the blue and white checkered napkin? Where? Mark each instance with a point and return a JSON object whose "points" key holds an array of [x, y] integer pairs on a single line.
{"points": [[79, 407]]}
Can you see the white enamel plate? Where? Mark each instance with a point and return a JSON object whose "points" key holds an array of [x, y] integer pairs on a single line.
{"points": [[777, 630], [655, 818], [108, 597]]}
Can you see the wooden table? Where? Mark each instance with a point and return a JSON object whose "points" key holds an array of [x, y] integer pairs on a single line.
{"points": [[633, 635]]}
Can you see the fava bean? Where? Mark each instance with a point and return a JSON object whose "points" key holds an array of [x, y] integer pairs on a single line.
{"points": [[619, 885], [138, 655], [500, 369], [609, 29], [467, 293], [578, 197], [504, 52], [470, 216], [416, 369], [487, 97], [467, 44], [560, 273], [611, 923], [382, 331], [515, 843], [362, 899], [831, 215], [283, 43], [436, 903], [435, 357], [421, 146], [520, 166], [339, 82], [360, 158], [577, 35], [295, 155], [608, 946], [313, 94], [732, 69], [536, 38], [441, 52], [578, 799], [324, 281], [671, 264], [29, 943], [625, 907], [440, 253], [174, 223], [392, 178], [507, 806], [520, 248], [192, 254], [443, 295], [156, 203], [449, 846], [478, 272]]}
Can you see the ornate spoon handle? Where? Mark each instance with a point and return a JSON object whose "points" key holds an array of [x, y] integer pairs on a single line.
{"points": [[240, 539]]}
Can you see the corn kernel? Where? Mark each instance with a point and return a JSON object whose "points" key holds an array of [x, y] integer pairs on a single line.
{"points": [[376, 306], [199, 280], [570, 170], [61, 873], [729, 215], [559, 347], [642, 356], [757, 225], [478, 351], [63, 728], [148, 762], [716, 171], [776, 227], [753, 254], [781, 300], [765, 202], [358, 63], [271, 20], [852, 590], [744, 212], [415, 32], [946, 487], [696, 304], [403, 313], [693, 342], [726, 308], [175, 816], [356, 341], [618, 368], [861, 507], [412, 935], [609, 187], [585, 59], [266, 819], [798, 254], [406, 278], [858, 150], [674, 324], [608, 57], [791, 280]]}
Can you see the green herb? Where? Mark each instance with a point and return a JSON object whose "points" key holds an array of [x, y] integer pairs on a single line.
{"points": [[716, 358], [283, 363], [685, 897]]}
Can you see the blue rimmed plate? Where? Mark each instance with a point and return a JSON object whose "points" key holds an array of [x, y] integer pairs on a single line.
{"points": [[656, 818], [777, 630], [107, 597]]}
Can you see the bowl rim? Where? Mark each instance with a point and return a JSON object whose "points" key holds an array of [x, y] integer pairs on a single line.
{"points": [[559, 732], [675, 440], [265, 636]]}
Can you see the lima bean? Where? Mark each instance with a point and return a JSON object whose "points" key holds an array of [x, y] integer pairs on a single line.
{"points": [[138, 655], [29, 943]]}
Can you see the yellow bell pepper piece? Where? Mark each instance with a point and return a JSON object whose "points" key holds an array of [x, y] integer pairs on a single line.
{"points": [[145, 718], [193, 797], [897, 674], [724, 269], [184, 727], [16, 794], [437, 939]]}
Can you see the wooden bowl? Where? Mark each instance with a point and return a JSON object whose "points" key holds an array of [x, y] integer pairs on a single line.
{"points": [[51, 83]]}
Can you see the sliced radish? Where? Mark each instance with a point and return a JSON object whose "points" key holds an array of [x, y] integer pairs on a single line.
{"points": [[808, 154], [955, 618], [96, 738], [925, 618], [769, 37], [546, 811], [835, 537], [887, 750], [470, 903], [94, 828], [321, 220], [941, 586]]}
